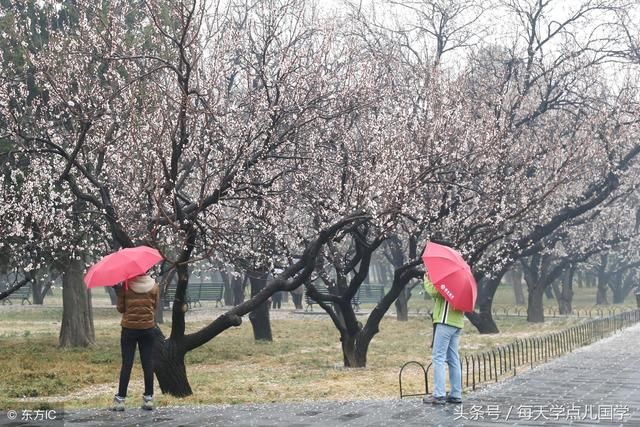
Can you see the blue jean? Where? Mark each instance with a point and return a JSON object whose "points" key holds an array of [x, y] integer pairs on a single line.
{"points": [[445, 350]]}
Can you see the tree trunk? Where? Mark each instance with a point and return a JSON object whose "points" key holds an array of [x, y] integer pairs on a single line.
{"points": [[579, 278], [227, 295], [350, 329], [602, 282], [113, 297], [166, 277], [348, 351], [77, 316], [518, 289], [548, 292], [169, 366], [386, 273], [237, 284], [565, 294], [402, 305], [38, 291], [354, 351], [601, 295], [373, 275], [260, 316], [617, 288], [160, 312], [619, 296], [297, 296], [533, 271], [535, 309], [483, 318]]}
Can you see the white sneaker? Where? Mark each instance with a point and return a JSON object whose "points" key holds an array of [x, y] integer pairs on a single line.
{"points": [[118, 403], [147, 403]]}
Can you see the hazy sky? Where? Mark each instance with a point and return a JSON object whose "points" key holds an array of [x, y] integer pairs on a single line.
{"points": [[502, 25]]}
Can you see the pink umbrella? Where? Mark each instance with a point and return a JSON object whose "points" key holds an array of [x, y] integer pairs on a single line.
{"points": [[451, 276], [122, 265]]}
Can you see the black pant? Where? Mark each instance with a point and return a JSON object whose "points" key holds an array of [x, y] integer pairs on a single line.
{"points": [[128, 340]]}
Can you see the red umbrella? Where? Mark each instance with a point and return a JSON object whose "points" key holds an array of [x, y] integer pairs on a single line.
{"points": [[122, 265], [451, 276]]}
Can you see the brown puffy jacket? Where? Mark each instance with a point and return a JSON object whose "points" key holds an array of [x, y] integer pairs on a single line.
{"points": [[138, 309]]}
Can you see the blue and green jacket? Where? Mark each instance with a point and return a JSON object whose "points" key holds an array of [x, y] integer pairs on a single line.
{"points": [[442, 311]]}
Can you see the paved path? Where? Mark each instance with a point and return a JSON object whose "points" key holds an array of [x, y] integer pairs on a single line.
{"points": [[595, 385]]}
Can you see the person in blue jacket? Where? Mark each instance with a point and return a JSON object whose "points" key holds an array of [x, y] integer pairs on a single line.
{"points": [[448, 323]]}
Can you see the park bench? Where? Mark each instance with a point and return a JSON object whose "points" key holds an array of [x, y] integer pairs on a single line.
{"points": [[23, 294], [170, 295], [323, 290], [368, 294], [212, 291]]}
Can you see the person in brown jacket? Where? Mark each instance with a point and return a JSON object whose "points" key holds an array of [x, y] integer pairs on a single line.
{"points": [[137, 301]]}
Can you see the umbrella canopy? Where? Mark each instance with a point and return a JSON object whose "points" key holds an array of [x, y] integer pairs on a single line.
{"points": [[451, 276], [121, 266]]}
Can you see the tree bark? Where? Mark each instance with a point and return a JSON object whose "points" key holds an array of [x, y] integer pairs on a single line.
{"points": [[402, 305], [548, 292], [619, 296], [602, 282], [260, 316], [169, 366], [533, 272], [166, 277], [518, 289], [228, 289], [618, 289], [168, 357], [540, 273], [38, 291], [580, 279], [297, 296], [237, 284], [354, 350], [564, 292], [349, 352], [535, 309], [77, 316], [113, 297], [483, 318], [350, 334]]}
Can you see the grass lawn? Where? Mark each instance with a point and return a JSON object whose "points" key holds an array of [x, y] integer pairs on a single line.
{"points": [[303, 362]]}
